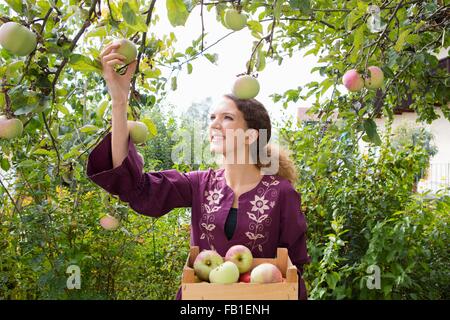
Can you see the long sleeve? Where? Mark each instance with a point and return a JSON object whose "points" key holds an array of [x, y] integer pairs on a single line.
{"points": [[293, 233], [148, 193]]}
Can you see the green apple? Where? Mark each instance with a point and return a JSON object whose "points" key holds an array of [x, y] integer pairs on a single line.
{"points": [[10, 128], [17, 39], [206, 261], [375, 78], [226, 273], [127, 49], [246, 87], [234, 20], [138, 131]]}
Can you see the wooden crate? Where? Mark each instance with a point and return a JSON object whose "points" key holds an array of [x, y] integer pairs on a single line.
{"points": [[286, 290]]}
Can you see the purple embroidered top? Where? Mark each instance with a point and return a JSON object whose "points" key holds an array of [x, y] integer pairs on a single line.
{"points": [[269, 215]]}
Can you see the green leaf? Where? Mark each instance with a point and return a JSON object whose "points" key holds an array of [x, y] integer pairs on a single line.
{"points": [[303, 5], [4, 164], [16, 5], [128, 14], [177, 12], [212, 57], [89, 128], [42, 152], [174, 83], [101, 108], [82, 63], [151, 126], [260, 60], [255, 26], [27, 163], [62, 109], [277, 10], [401, 40], [189, 68], [371, 130]]}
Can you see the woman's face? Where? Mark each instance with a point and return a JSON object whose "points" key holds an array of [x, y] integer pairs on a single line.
{"points": [[227, 128]]}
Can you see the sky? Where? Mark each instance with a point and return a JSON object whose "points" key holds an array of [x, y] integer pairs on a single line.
{"points": [[208, 79]]}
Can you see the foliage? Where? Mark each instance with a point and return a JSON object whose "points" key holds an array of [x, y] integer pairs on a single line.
{"points": [[361, 211]]}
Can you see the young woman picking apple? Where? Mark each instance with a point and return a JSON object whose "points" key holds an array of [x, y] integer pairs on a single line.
{"points": [[240, 203]]}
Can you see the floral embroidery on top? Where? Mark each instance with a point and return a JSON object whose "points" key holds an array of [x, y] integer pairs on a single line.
{"points": [[207, 223], [214, 196], [258, 218]]}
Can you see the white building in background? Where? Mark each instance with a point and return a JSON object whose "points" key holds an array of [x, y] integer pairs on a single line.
{"points": [[438, 176]]}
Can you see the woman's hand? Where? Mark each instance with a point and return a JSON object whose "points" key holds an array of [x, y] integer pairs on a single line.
{"points": [[118, 85]]}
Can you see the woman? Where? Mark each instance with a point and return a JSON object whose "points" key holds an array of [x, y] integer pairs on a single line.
{"points": [[236, 204]]}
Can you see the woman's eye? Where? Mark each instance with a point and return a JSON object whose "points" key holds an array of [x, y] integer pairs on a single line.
{"points": [[212, 117], [227, 117]]}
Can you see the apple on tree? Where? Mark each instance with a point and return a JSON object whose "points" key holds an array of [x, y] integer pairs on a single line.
{"points": [[353, 81], [374, 79], [138, 131], [246, 87], [10, 128], [109, 222], [17, 39], [206, 261], [235, 20], [226, 273], [241, 256]]}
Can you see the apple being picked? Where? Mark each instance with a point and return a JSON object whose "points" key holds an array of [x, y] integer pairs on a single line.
{"points": [[241, 256], [266, 273], [206, 261], [226, 273]]}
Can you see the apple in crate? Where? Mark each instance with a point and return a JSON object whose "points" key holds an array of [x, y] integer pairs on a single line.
{"points": [[245, 277], [206, 261], [266, 273], [241, 256], [226, 273]]}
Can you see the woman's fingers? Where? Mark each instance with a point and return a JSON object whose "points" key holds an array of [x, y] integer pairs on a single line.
{"points": [[114, 62], [107, 50], [113, 56], [131, 69]]}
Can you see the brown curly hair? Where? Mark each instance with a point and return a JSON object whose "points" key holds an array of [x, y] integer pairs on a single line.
{"points": [[257, 117]]}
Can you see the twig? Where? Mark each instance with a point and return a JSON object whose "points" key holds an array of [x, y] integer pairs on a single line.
{"points": [[10, 197], [58, 157], [144, 38], [254, 51], [86, 23], [203, 23]]}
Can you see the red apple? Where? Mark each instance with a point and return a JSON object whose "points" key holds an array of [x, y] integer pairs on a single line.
{"points": [[266, 273], [245, 277], [353, 81], [375, 78], [206, 261], [109, 222], [241, 256]]}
